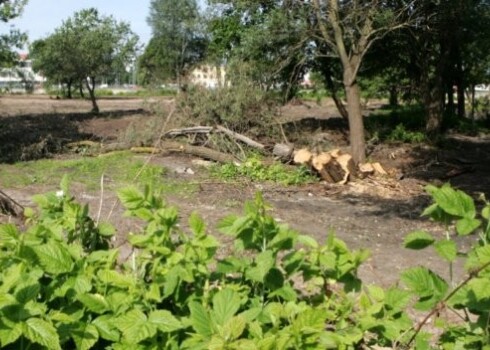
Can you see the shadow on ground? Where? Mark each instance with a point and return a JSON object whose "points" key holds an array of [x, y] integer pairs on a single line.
{"points": [[28, 137]]}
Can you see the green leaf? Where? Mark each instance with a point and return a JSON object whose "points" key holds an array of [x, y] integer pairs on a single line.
{"points": [[453, 202], [106, 229], [85, 336], [234, 328], [9, 335], [485, 213], [226, 225], [226, 304], [200, 320], [65, 184], [116, 279], [27, 292], [94, 302], [164, 321], [430, 288], [131, 197], [41, 332], [197, 224], [466, 226], [264, 262], [105, 327], [135, 327], [308, 241], [9, 235], [54, 258], [397, 299], [418, 240], [447, 250]]}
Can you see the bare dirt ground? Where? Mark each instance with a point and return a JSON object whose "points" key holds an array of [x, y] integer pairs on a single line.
{"points": [[374, 213]]}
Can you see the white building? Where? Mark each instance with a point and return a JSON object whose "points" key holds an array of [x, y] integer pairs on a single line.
{"points": [[20, 78], [208, 76]]}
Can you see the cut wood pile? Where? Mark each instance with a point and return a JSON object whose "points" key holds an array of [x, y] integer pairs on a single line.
{"points": [[335, 166]]}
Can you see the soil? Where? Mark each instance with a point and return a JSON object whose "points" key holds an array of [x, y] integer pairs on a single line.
{"points": [[372, 213]]}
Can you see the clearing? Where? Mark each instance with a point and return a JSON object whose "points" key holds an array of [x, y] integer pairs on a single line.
{"points": [[371, 213]]}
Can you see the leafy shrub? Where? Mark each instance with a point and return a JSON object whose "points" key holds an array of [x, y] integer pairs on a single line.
{"points": [[403, 135], [255, 170], [278, 289]]}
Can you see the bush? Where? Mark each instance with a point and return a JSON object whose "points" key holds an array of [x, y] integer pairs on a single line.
{"points": [[62, 287]]}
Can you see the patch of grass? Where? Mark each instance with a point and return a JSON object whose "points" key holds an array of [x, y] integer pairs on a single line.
{"points": [[253, 169], [400, 124], [119, 169]]}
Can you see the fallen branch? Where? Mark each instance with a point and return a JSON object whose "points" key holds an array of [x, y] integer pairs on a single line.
{"points": [[240, 137], [9, 206], [191, 130], [198, 151]]}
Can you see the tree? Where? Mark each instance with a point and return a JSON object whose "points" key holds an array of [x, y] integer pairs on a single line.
{"points": [[178, 41], [349, 29], [14, 39], [85, 48]]}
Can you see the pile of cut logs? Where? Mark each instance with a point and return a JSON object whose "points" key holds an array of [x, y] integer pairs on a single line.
{"points": [[335, 166]]}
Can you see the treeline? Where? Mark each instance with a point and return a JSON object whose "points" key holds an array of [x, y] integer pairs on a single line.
{"points": [[434, 51]]}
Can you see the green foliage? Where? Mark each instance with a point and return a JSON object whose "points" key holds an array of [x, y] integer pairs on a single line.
{"points": [[84, 49], [456, 210], [14, 38], [254, 169], [401, 134], [177, 44], [61, 286]]}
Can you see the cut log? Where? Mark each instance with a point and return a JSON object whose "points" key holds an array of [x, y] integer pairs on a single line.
{"points": [[283, 151], [378, 169], [248, 141], [302, 156], [335, 153], [365, 169], [335, 172], [319, 161], [348, 165], [198, 151]]}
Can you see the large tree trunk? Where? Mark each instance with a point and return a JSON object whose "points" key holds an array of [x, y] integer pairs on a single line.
{"points": [[91, 90], [356, 123], [434, 110], [460, 85], [68, 89]]}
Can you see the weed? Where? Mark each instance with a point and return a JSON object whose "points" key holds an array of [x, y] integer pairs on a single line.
{"points": [[255, 170], [401, 134]]}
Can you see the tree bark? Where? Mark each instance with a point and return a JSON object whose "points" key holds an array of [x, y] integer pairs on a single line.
{"points": [[91, 90], [356, 123]]}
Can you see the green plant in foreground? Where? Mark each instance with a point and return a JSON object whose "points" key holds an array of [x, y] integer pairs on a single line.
{"points": [[61, 286]]}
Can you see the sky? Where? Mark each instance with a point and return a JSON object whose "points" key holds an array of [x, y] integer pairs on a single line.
{"points": [[41, 17]]}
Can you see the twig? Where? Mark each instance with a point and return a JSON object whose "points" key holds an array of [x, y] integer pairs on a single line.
{"points": [[101, 200]]}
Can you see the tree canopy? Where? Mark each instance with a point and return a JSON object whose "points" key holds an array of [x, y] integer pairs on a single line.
{"points": [[84, 49], [14, 39], [178, 41]]}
